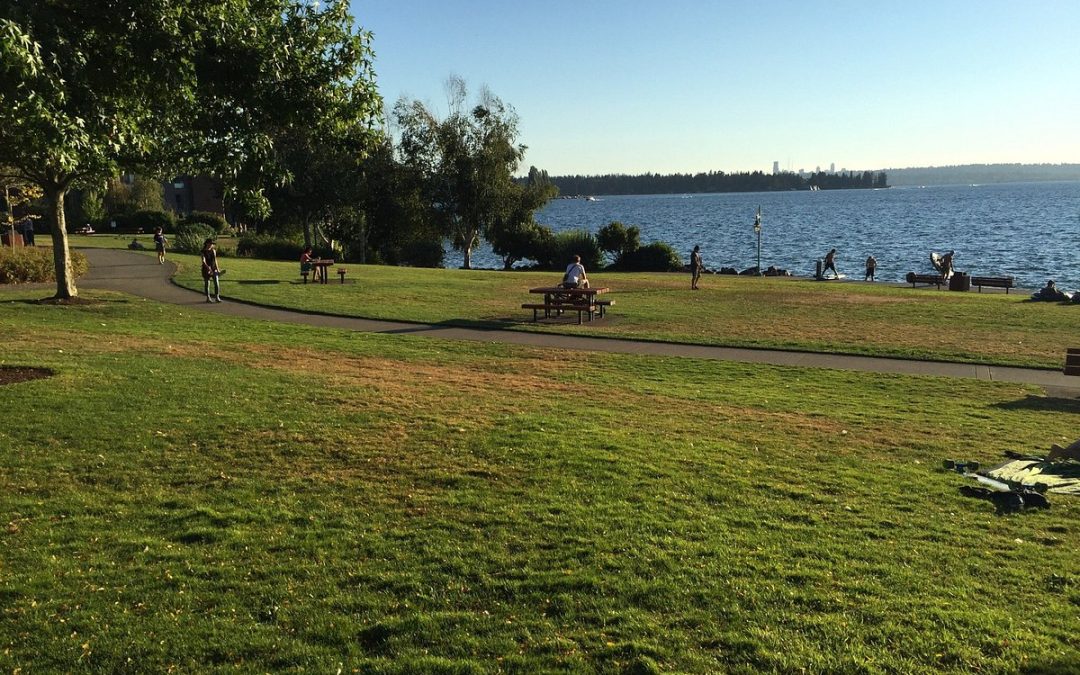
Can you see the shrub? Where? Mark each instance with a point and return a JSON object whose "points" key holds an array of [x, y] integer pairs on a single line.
{"points": [[147, 221], [655, 257], [270, 247], [35, 265], [618, 240], [191, 236], [214, 221], [563, 246], [422, 253]]}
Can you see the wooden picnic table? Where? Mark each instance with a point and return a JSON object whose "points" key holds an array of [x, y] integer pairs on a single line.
{"points": [[319, 266], [558, 299]]}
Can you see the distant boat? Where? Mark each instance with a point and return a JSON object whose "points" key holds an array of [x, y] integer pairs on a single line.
{"points": [[815, 188], [590, 199]]}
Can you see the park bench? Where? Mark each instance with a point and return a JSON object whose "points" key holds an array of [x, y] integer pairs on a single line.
{"points": [[1072, 361], [935, 279], [994, 282], [341, 274]]}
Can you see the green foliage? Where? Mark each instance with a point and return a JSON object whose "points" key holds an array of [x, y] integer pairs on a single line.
{"points": [[144, 221], [269, 247], [559, 249], [34, 265], [91, 209], [190, 237], [655, 257], [466, 161], [203, 90], [618, 240], [214, 221]]}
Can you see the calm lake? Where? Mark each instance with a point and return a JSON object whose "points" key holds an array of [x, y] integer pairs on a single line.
{"points": [[1027, 230]]}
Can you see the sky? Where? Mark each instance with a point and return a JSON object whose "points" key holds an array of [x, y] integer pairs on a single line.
{"points": [[682, 86]]}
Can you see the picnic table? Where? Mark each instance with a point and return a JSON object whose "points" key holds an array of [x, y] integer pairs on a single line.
{"points": [[319, 267], [558, 300]]}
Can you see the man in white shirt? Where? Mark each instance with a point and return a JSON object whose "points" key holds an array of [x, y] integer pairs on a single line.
{"points": [[575, 275]]}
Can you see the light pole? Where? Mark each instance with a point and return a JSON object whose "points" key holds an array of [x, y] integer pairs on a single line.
{"points": [[757, 230]]}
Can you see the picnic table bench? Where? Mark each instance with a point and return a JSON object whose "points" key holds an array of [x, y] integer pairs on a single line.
{"points": [[558, 300], [1072, 361], [994, 282], [935, 279]]}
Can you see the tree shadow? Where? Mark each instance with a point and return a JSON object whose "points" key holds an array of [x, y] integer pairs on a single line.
{"points": [[258, 282], [1042, 404]]}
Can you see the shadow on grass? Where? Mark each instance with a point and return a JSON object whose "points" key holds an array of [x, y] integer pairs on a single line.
{"points": [[495, 324], [1042, 403], [1060, 668], [259, 282]]}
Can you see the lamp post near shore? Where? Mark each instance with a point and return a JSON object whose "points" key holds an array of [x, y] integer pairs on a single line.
{"points": [[757, 230]]}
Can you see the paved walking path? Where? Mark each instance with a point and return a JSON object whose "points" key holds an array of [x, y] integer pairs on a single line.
{"points": [[139, 274]]}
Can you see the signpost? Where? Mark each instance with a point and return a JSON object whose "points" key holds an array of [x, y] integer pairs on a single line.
{"points": [[757, 230]]}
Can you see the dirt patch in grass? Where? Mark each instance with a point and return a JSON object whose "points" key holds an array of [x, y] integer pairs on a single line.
{"points": [[15, 374]]}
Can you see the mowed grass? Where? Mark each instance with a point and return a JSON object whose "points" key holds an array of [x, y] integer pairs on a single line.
{"points": [[194, 492], [852, 318]]}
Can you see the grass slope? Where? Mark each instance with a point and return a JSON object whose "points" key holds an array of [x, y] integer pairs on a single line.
{"points": [[860, 318], [197, 492]]}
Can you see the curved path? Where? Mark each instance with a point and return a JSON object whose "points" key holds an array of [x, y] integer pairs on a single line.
{"points": [[139, 274]]}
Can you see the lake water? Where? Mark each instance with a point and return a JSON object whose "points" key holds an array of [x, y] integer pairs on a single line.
{"points": [[1027, 230]]}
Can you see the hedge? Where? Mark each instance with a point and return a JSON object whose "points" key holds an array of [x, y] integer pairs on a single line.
{"points": [[35, 265]]}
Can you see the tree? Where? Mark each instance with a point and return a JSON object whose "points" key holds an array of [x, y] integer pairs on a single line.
{"points": [[86, 94], [514, 234], [467, 160], [618, 240]]}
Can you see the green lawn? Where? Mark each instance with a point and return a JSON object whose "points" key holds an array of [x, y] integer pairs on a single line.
{"points": [[850, 318], [195, 492]]}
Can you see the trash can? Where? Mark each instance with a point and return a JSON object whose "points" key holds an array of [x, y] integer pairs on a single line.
{"points": [[960, 281], [817, 271]]}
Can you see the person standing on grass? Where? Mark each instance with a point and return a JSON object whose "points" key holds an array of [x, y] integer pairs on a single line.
{"points": [[28, 231], [830, 263], [159, 243], [695, 267], [871, 268], [210, 271], [575, 275]]}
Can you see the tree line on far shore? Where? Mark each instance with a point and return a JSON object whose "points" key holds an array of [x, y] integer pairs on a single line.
{"points": [[715, 181]]}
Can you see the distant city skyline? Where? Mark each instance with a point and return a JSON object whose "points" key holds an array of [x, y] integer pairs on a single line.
{"points": [[692, 85]]}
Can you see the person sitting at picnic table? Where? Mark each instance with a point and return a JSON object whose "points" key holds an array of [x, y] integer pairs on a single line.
{"points": [[575, 275], [305, 261], [1050, 293]]}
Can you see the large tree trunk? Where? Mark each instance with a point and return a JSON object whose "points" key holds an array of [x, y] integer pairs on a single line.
{"points": [[307, 231], [65, 278]]}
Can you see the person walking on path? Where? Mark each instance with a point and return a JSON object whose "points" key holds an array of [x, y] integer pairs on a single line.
{"points": [[830, 263], [871, 268], [696, 266], [210, 271], [159, 243]]}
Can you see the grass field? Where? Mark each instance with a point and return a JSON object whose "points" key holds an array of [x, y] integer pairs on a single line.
{"points": [[194, 492], [851, 318]]}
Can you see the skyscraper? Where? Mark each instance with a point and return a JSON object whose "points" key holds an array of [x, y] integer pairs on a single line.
{"points": [[775, 168]]}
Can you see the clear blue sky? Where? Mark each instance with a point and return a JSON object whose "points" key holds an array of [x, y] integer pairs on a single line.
{"points": [[631, 86]]}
